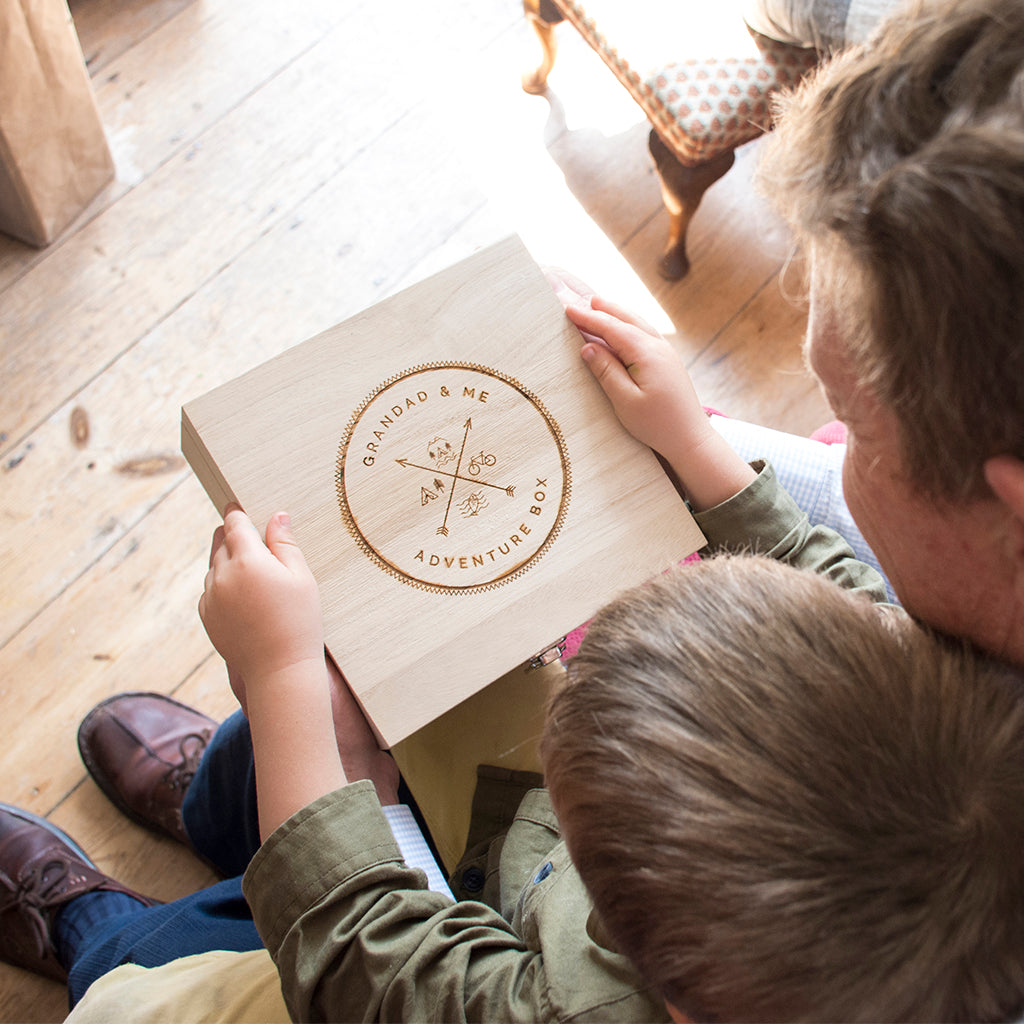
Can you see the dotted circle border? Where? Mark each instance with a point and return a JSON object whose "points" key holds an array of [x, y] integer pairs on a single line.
{"points": [[393, 570]]}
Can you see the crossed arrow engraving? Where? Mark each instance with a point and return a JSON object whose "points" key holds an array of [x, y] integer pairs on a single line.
{"points": [[443, 528]]}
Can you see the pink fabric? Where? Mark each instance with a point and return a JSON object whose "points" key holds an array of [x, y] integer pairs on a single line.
{"points": [[830, 433]]}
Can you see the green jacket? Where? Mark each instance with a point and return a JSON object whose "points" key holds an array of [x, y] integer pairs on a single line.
{"points": [[356, 935]]}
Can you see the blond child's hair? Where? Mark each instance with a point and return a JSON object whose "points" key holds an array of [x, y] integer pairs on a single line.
{"points": [[789, 803]]}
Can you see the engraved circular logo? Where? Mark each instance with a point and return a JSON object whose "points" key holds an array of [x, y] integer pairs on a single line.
{"points": [[453, 477]]}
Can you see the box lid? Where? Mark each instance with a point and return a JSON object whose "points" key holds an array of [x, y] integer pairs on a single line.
{"points": [[456, 478]]}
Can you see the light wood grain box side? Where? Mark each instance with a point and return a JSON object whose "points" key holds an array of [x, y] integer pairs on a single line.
{"points": [[457, 480]]}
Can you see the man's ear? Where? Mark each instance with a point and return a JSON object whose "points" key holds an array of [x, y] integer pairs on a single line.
{"points": [[677, 1015], [1005, 475]]}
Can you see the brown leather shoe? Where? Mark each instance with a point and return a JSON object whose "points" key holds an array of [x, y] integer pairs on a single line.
{"points": [[41, 869], [142, 749]]}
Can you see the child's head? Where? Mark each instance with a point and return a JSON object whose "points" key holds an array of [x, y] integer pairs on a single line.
{"points": [[788, 803]]}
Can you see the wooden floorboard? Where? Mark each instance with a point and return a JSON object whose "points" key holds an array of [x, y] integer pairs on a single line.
{"points": [[280, 167]]}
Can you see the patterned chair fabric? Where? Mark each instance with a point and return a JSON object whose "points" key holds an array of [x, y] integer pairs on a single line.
{"points": [[702, 108]]}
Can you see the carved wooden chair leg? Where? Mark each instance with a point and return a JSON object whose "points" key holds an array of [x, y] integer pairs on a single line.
{"points": [[544, 16], [682, 189]]}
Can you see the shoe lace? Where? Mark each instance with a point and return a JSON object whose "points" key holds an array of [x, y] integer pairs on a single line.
{"points": [[191, 747], [32, 895]]}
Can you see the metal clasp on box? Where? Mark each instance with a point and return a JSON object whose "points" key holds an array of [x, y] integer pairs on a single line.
{"points": [[547, 656]]}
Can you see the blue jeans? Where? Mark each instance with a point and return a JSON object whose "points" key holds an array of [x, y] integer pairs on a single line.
{"points": [[220, 818], [219, 811]]}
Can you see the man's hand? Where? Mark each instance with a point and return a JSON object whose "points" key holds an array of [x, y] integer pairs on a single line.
{"points": [[361, 756]]}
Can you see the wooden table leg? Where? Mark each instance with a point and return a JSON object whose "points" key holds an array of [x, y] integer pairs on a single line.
{"points": [[544, 16], [682, 189]]}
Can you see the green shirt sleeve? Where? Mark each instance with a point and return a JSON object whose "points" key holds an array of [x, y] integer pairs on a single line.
{"points": [[350, 927], [356, 935], [765, 520]]}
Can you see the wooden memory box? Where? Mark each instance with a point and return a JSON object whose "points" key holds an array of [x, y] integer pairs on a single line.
{"points": [[457, 481]]}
